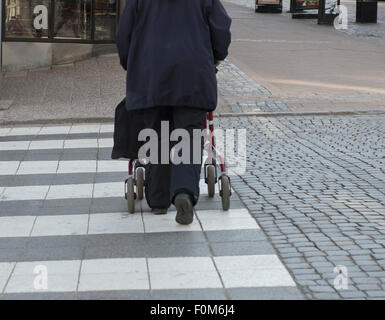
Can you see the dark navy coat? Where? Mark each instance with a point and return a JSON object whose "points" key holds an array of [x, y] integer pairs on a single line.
{"points": [[169, 48]]}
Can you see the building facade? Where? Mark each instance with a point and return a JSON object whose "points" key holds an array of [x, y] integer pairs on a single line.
{"points": [[37, 33]]}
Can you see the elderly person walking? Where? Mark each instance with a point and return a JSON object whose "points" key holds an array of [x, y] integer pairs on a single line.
{"points": [[170, 49]]}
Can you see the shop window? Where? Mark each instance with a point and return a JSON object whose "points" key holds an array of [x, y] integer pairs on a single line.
{"points": [[60, 20], [26, 18]]}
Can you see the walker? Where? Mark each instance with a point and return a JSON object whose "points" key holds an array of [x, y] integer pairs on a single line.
{"points": [[134, 184]]}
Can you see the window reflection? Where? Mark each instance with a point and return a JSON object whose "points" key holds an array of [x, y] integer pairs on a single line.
{"points": [[105, 19], [64, 19], [73, 19]]}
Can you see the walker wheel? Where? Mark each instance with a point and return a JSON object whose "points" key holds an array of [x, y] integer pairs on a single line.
{"points": [[225, 192], [130, 195], [140, 182], [210, 180]]}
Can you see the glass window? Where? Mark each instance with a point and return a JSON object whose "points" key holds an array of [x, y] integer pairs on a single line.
{"points": [[105, 19], [72, 19], [62, 20], [26, 18]]}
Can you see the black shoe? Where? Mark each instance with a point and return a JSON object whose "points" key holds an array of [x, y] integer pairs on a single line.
{"points": [[159, 211], [185, 208]]}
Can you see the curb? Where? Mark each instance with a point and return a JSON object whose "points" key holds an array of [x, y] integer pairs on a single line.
{"points": [[297, 114], [219, 115], [58, 121]]}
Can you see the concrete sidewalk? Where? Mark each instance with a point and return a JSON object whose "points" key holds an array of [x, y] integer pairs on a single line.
{"points": [[307, 66]]}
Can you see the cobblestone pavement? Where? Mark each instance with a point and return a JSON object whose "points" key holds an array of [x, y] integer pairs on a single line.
{"points": [[316, 186], [62, 210], [243, 94]]}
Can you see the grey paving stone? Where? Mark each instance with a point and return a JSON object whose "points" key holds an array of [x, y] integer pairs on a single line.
{"points": [[84, 154], [119, 240], [114, 251], [242, 248], [13, 155], [52, 253], [45, 155], [326, 296], [71, 204], [371, 268], [365, 287], [156, 250], [78, 178], [235, 235], [11, 208], [102, 205], [277, 293], [322, 289], [352, 294], [365, 280], [166, 238], [298, 265], [10, 243], [322, 264], [114, 295], [6, 180], [31, 180], [49, 211], [191, 294], [313, 276], [39, 296], [306, 282], [376, 274], [46, 242], [12, 254], [376, 294]]}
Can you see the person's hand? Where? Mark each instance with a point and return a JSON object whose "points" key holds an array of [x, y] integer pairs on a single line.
{"points": [[217, 64]]}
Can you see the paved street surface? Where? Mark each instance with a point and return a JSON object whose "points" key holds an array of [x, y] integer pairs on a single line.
{"points": [[62, 208]]}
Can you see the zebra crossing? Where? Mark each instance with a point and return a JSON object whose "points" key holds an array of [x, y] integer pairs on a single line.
{"points": [[65, 232]]}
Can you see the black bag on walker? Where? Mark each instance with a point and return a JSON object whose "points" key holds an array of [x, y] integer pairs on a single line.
{"points": [[128, 124]]}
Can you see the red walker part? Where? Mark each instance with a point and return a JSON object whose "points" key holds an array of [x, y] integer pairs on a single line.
{"points": [[209, 118]]}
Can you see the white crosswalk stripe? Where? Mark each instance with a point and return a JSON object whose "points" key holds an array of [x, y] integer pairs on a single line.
{"points": [[131, 274], [107, 223], [56, 144], [68, 166], [70, 191], [52, 129]]}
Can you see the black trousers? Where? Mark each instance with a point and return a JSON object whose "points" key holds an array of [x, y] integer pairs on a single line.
{"points": [[165, 181]]}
